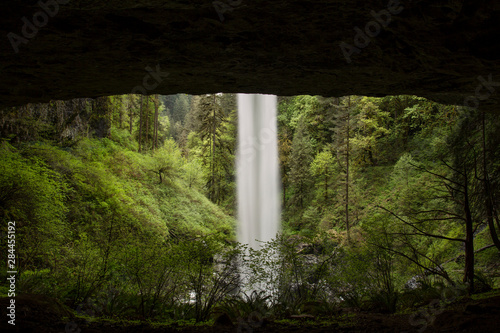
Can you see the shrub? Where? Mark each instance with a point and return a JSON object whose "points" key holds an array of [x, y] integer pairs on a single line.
{"points": [[167, 161], [32, 196], [209, 270], [289, 278]]}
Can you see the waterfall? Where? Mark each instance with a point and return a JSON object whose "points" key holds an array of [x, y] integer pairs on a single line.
{"points": [[258, 181]]}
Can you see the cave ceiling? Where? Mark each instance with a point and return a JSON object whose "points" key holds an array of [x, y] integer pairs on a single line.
{"points": [[448, 51]]}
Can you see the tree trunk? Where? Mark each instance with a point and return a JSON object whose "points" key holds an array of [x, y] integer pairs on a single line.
{"points": [[130, 114], [487, 192], [140, 126], [120, 114], [347, 172], [284, 195], [326, 187], [469, 238], [147, 123], [155, 137], [213, 153], [100, 122]]}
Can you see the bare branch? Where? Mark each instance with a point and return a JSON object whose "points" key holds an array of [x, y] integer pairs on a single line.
{"points": [[450, 167], [421, 232], [435, 174], [416, 262], [437, 211]]}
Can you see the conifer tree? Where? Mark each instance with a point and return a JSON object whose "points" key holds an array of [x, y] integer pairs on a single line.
{"points": [[301, 157], [342, 138]]}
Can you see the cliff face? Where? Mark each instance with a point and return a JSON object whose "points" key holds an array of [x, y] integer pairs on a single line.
{"points": [[446, 50]]}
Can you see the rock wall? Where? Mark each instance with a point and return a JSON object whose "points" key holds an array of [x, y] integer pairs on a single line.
{"points": [[60, 49]]}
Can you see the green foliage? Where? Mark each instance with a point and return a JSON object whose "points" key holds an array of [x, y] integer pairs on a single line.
{"points": [[323, 168], [123, 138], [73, 206], [370, 132], [286, 278], [193, 173], [149, 270], [130, 235], [37, 282], [246, 305], [406, 136], [167, 161], [301, 156], [350, 282], [209, 271], [214, 145], [33, 196], [176, 106], [300, 107]]}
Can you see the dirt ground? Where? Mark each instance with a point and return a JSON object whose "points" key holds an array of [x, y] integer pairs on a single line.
{"points": [[40, 314]]}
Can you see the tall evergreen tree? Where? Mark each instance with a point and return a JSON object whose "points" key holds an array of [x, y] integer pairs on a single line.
{"points": [[300, 160], [140, 122], [217, 146], [342, 139], [155, 132], [372, 127], [322, 168]]}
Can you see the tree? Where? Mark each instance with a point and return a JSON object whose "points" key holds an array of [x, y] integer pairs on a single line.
{"points": [[322, 167], [301, 156], [146, 109], [217, 133], [321, 120], [285, 137], [371, 128], [167, 161], [155, 130], [211, 283], [32, 196], [177, 107], [140, 124], [192, 121], [284, 149], [488, 196], [455, 186], [193, 172], [342, 138], [228, 103], [456, 190], [131, 107], [100, 120]]}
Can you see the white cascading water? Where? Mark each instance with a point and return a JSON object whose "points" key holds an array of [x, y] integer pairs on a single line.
{"points": [[258, 181]]}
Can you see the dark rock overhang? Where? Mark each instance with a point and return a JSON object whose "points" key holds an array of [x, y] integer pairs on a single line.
{"points": [[447, 51]]}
